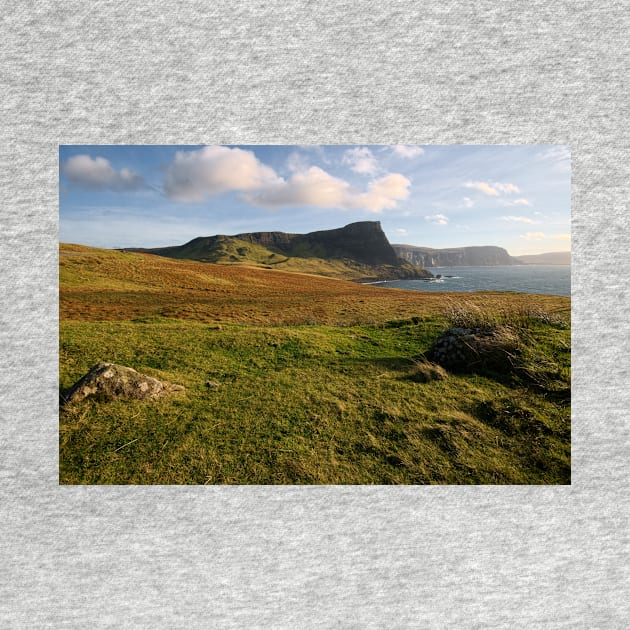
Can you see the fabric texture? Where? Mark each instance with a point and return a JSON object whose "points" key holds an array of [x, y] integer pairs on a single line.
{"points": [[305, 73]]}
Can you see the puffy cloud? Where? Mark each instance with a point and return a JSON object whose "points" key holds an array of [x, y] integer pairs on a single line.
{"points": [[98, 174], [315, 187], [437, 219], [407, 151], [495, 189], [520, 219], [384, 193], [361, 160], [506, 188], [483, 187], [195, 175]]}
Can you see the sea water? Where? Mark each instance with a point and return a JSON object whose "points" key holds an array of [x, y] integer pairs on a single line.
{"points": [[549, 279]]}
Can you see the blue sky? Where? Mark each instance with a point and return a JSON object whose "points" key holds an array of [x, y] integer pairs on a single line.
{"points": [[514, 196]]}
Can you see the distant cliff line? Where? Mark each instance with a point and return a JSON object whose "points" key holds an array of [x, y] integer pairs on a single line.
{"points": [[548, 258], [475, 256]]}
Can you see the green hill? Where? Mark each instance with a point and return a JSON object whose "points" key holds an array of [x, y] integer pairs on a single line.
{"points": [[359, 251]]}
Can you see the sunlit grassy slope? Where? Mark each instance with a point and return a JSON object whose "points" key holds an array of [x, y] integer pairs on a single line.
{"points": [[231, 251], [313, 380]]}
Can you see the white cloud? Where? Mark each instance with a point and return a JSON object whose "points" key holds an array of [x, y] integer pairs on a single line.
{"points": [[315, 187], [98, 174], [361, 160], [483, 187], [493, 189], [407, 151], [508, 203], [437, 219], [506, 187], [401, 231], [468, 202], [195, 175], [520, 219], [384, 192]]}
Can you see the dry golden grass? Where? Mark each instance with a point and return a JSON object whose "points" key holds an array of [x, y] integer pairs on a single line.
{"points": [[104, 285]]}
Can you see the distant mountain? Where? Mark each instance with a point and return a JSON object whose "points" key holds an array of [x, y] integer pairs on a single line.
{"points": [[482, 256], [358, 251], [550, 258]]}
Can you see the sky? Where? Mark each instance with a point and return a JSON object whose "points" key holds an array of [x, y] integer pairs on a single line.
{"points": [[514, 196]]}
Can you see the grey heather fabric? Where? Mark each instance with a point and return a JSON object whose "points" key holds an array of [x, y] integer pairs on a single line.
{"points": [[302, 72]]}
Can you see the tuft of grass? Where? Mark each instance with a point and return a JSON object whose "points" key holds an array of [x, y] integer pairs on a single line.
{"points": [[515, 315], [424, 371]]}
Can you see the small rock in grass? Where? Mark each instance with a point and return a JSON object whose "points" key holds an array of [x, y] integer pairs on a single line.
{"points": [[111, 381], [470, 349]]}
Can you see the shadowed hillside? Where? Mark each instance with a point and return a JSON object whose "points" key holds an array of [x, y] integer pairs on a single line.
{"points": [[359, 251]]}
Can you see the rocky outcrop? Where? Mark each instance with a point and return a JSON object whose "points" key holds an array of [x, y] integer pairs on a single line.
{"points": [[476, 349], [364, 242], [109, 380], [478, 256], [273, 240]]}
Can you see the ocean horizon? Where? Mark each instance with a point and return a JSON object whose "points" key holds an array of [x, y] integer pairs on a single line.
{"points": [[541, 279]]}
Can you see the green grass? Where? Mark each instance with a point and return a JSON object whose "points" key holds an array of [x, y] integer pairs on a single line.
{"points": [[315, 404]]}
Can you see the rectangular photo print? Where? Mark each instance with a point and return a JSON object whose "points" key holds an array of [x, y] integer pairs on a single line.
{"points": [[330, 314]]}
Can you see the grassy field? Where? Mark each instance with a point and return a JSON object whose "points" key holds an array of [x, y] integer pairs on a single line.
{"points": [[313, 380]]}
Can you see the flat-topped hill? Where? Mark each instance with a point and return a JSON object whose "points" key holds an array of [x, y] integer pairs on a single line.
{"points": [[358, 251]]}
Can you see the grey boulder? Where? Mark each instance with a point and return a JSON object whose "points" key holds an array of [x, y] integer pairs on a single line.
{"points": [[111, 381]]}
